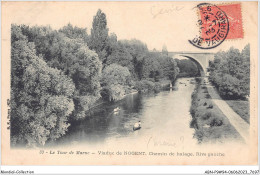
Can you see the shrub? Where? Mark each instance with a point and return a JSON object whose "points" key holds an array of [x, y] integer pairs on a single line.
{"points": [[216, 122], [146, 85], [207, 115]]}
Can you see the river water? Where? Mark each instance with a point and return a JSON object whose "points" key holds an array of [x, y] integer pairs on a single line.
{"points": [[165, 119]]}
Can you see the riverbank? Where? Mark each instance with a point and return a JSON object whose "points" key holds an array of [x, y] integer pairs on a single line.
{"points": [[143, 86], [210, 124], [239, 106], [147, 85], [164, 115]]}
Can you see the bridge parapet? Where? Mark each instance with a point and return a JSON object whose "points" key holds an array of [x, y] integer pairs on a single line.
{"points": [[201, 59]]}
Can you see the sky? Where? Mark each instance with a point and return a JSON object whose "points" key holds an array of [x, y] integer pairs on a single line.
{"points": [[155, 23]]}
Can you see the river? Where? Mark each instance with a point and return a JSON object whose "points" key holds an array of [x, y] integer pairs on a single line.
{"points": [[165, 119]]}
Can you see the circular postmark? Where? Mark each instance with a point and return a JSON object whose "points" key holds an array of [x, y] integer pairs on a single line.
{"points": [[213, 25]]}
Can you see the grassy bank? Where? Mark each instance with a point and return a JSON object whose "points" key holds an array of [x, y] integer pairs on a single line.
{"points": [[241, 107], [210, 124]]}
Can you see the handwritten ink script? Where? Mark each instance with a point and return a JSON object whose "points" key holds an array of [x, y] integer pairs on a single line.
{"points": [[171, 143], [156, 11]]}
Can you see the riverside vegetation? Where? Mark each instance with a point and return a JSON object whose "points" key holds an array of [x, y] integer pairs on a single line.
{"points": [[58, 75], [230, 74], [209, 122]]}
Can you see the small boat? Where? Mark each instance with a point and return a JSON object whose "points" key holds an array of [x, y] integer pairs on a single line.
{"points": [[206, 126], [137, 126], [116, 109]]}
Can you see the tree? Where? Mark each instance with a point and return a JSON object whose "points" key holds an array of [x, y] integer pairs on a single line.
{"points": [[157, 66], [138, 51], [85, 71], [169, 68], [41, 97], [245, 67], [187, 68], [121, 56], [75, 32], [230, 72], [99, 36], [114, 80], [66, 50], [151, 67]]}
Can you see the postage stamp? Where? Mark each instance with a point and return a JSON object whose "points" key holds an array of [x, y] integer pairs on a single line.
{"points": [[214, 26], [218, 23], [233, 12]]}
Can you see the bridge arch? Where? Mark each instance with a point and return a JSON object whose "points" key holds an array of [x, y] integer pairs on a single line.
{"points": [[198, 63], [200, 58]]}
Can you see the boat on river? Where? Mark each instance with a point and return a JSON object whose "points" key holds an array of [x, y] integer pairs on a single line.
{"points": [[116, 109], [137, 126]]}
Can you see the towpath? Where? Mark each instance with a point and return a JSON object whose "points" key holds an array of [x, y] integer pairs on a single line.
{"points": [[239, 124]]}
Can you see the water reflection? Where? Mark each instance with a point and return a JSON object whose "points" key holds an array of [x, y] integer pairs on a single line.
{"points": [[164, 116]]}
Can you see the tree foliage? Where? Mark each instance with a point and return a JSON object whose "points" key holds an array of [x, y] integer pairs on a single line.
{"points": [[121, 56], [138, 50], [41, 96], [74, 32], [67, 50], [230, 72], [114, 80], [58, 75], [157, 66], [99, 36], [187, 68]]}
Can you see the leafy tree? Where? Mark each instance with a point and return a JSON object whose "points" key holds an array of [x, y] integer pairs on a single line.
{"points": [[187, 68], [112, 42], [230, 72], [169, 67], [99, 36], [75, 32], [41, 97], [157, 66], [121, 56], [114, 80], [138, 51], [245, 69], [85, 72], [148, 86], [151, 67], [67, 50]]}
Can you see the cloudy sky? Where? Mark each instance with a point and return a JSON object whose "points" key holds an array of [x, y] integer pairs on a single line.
{"points": [[155, 23]]}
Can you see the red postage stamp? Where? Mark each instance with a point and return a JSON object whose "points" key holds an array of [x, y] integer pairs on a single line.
{"points": [[218, 23], [233, 12]]}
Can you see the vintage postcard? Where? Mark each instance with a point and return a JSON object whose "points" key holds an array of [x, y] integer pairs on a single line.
{"points": [[129, 83]]}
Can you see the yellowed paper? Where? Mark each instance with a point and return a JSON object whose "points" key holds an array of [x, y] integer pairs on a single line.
{"points": [[160, 141]]}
